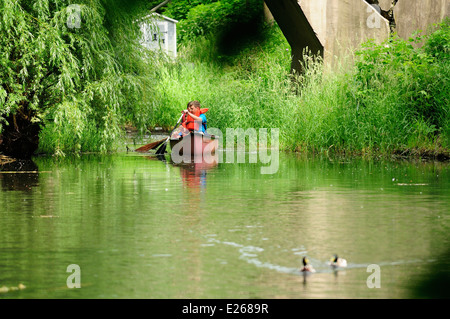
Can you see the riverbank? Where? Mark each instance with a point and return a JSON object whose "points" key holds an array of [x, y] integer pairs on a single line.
{"points": [[385, 100], [388, 99], [134, 140]]}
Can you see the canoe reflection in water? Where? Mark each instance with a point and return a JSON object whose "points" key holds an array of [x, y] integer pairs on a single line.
{"points": [[194, 153], [193, 173]]}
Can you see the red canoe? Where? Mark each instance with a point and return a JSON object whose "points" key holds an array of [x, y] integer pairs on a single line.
{"points": [[195, 143]]}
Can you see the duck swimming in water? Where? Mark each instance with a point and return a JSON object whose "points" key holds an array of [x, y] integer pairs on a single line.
{"points": [[337, 261], [307, 267]]}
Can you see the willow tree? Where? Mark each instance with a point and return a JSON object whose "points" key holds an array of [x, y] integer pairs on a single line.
{"points": [[74, 68]]}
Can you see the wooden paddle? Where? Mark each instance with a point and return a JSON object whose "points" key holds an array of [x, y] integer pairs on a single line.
{"points": [[162, 149], [150, 146], [154, 145]]}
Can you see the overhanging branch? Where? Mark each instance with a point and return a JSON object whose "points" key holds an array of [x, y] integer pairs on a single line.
{"points": [[162, 4]]}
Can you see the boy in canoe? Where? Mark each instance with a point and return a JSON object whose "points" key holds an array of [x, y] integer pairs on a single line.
{"points": [[194, 117], [194, 120]]}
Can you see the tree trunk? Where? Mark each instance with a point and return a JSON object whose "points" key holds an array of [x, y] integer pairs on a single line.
{"points": [[20, 138]]}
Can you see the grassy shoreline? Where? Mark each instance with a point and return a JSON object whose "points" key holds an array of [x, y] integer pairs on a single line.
{"points": [[387, 100], [390, 99], [425, 154]]}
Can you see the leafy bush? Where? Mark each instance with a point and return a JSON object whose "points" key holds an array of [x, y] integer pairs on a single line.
{"points": [[419, 77], [72, 68]]}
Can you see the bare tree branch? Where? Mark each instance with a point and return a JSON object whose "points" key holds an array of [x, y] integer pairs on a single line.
{"points": [[160, 5]]}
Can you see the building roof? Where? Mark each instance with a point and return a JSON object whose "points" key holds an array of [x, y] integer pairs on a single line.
{"points": [[160, 16]]}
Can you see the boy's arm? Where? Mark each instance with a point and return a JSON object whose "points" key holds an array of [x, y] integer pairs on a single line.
{"points": [[196, 118]]}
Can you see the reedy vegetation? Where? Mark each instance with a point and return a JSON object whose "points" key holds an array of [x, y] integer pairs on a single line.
{"points": [[84, 84], [387, 98]]}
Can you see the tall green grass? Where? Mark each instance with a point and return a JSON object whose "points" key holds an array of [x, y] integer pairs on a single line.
{"points": [[385, 99], [388, 98], [245, 91]]}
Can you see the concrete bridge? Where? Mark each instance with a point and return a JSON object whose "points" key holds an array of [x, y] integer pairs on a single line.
{"points": [[331, 28]]}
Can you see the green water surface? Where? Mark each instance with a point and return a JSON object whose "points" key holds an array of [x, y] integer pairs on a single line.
{"points": [[139, 227]]}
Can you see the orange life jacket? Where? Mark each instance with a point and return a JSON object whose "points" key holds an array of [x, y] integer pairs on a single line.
{"points": [[189, 123]]}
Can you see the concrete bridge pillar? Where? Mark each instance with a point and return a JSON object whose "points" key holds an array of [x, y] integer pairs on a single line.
{"points": [[297, 30], [411, 16], [342, 25], [332, 28]]}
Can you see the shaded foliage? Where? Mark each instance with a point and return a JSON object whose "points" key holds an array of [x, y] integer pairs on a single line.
{"points": [[230, 20]]}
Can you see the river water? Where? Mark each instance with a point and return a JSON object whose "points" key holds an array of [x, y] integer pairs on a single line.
{"points": [[134, 226]]}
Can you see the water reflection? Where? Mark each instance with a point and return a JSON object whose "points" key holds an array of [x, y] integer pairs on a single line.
{"points": [[193, 173], [435, 282], [209, 230], [19, 175]]}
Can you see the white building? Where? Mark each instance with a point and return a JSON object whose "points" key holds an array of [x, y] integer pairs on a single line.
{"points": [[160, 33]]}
